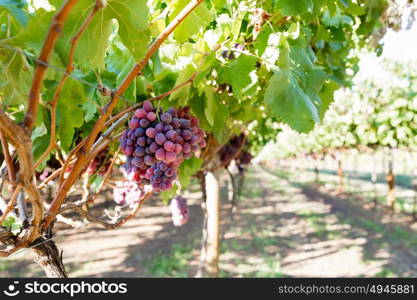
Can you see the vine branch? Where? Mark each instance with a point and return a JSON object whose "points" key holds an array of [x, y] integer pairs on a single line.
{"points": [[40, 70]]}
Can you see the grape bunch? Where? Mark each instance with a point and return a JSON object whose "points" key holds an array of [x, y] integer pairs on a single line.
{"points": [[127, 192], [101, 163], [179, 210], [157, 142], [229, 151], [244, 158]]}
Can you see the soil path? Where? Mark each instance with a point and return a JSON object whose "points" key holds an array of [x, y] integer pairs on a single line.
{"points": [[281, 228]]}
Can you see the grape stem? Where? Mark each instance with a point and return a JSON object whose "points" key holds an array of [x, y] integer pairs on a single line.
{"points": [[70, 67], [83, 155], [86, 215], [11, 203]]}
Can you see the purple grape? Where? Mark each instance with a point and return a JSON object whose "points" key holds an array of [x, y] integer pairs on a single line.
{"points": [[171, 135], [185, 123], [160, 154], [139, 151], [149, 140], [163, 166], [151, 132], [144, 123], [158, 172], [195, 139], [148, 150], [186, 134], [154, 146], [179, 140], [168, 128], [129, 142], [149, 160], [139, 132], [140, 113], [141, 141], [137, 162], [173, 112], [176, 123], [166, 118], [159, 127], [160, 138]]}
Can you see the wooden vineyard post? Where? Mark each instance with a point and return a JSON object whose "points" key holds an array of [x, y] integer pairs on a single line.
{"points": [[374, 178], [210, 248], [340, 171], [391, 181]]}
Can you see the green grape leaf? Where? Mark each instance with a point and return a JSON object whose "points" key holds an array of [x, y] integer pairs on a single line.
{"points": [[197, 19], [15, 77], [238, 74], [183, 94], [287, 100], [292, 8], [15, 8], [210, 105], [69, 112], [187, 169]]}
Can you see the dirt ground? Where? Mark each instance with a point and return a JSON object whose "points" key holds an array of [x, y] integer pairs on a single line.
{"points": [[282, 228]]}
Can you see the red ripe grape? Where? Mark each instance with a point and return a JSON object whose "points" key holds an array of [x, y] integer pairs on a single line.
{"points": [[203, 143], [129, 150], [134, 123], [160, 154], [169, 146], [151, 116], [140, 113], [147, 106], [178, 148], [169, 173], [188, 155], [179, 210], [151, 132], [170, 156], [186, 148]]}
